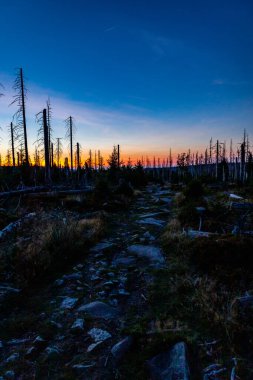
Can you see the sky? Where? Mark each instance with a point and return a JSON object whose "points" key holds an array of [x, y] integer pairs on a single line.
{"points": [[148, 75]]}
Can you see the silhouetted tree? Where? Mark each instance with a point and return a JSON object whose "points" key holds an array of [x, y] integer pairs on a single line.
{"points": [[11, 131], [20, 115], [58, 150], [69, 135]]}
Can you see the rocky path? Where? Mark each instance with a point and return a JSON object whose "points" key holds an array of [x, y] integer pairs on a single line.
{"points": [[76, 328]]}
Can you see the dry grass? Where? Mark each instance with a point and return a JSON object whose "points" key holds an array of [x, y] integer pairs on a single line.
{"points": [[49, 245]]}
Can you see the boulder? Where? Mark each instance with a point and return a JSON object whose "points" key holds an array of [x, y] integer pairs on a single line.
{"points": [[120, 349], [98, 309], [68, 303], [170, 365], [78, 325], [152, 253], [99, 335]]}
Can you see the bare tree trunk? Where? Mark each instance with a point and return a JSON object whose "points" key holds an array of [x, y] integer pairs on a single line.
{"points": [[12, 145], [46, 147], [24, 117], [78, 155], [71, 142], [118, 157], [52, 154]]}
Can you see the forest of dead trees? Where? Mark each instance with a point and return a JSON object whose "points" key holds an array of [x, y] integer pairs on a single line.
{"points": [[220, 161]]}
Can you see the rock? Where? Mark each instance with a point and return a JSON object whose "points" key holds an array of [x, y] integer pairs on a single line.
{"points": [[114, 302], [59, 282], [31, 353], [92, 346], [78, 325], [245, 301], [9, 375], [123, 292], [95, 278], [124, 261], [98, 309], [1, 344], [148, 236], [152, 222], [68, 303], [108, 284], [52, 352], [120, 348], [73, 276], [56, 324], [7, 292], [12, 358], [102, 246], [38, 341], [153, 254], [99, 335], [150, 215], [15, 342], [170, 365], [81, 368], [193, 234]]}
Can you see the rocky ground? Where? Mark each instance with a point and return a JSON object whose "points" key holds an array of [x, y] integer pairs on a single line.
{"points": [[78, 326], [128, 309]]}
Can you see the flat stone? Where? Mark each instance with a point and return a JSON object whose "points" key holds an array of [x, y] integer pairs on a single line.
{"points": [[68, 303], [153, 254], [59, 282], [15, 342], [147, 235], [78, 325], [170, 365], [31, 352], [102, 246], [80, 368], [98, 309], [99, 335], [120, 348], [7, 292], [38, 341], [12, 358], [151, 214], [73, 276], [124, 261], [93, 346], [153, 222]]}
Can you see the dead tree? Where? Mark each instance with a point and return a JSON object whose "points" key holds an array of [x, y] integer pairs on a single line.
{"points": [[11, 129], [58, 150], [78, 161], [46, 146], [20, 115], [8, 158], [49, 118], [69, 135], [42, 141], [51, 154], [118, 157]]}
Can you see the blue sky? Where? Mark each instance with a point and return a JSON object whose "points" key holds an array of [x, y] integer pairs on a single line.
{"points": [[148, 75]]}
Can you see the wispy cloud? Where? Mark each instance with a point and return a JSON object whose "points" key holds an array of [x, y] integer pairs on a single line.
{"points": [[110, 29], [226, 82], [137, 130]]}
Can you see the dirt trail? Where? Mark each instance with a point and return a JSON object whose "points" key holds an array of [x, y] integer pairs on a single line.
{"points": [[69, 329]]}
